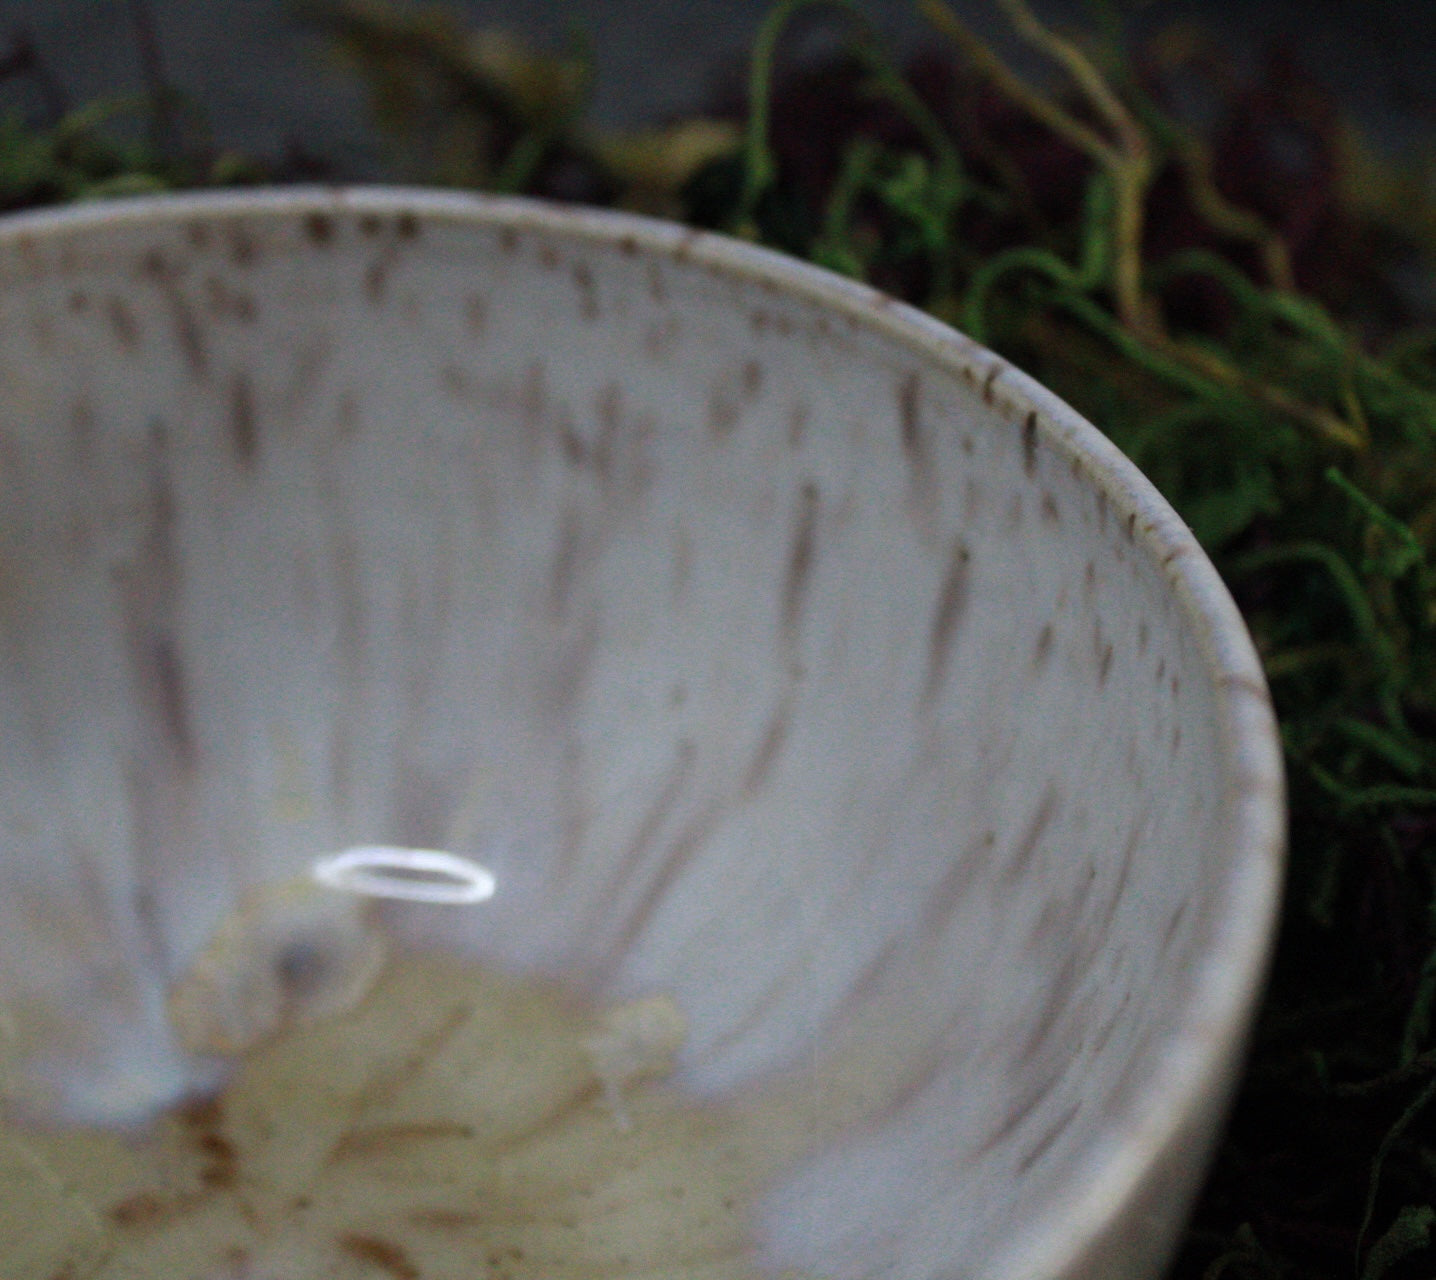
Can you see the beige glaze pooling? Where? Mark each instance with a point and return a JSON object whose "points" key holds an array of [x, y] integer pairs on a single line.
{"points": [[452, 1124], [779, 650]]}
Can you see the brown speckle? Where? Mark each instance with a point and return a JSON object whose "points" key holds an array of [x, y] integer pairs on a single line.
{"points": [[319, 228], [1050, 512], [383, 1254], [547, 256], [243, 425], [370, 224], [800, 558], [508, 240], [141, 1210], [948, 614], [242, 251], [406, 226], [1131, 526], [78, 301], [197, 233]]}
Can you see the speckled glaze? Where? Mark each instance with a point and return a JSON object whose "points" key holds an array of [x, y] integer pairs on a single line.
{"points": [[776, 646]]}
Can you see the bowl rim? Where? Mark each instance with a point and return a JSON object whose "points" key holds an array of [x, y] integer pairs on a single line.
{"points": [[1209, 1040]]}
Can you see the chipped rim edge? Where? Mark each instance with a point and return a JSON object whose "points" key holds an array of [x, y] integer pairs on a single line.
{"points": [[1199, 1068]]}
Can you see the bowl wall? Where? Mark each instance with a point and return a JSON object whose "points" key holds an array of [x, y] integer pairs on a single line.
{"points": [[774, 646]]}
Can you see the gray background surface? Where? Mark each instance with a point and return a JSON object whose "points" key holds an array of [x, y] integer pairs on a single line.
{"points": [[262, 78]]}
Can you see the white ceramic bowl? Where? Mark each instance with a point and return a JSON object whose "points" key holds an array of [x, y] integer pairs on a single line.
{"points": [[775, 645]]}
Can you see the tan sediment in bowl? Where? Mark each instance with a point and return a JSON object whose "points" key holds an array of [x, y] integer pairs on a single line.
{"points": [[778, 648]]}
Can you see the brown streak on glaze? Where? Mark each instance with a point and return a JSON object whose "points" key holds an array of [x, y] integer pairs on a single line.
{"points": [[1043, 1144], [948, 615], [1169, 932], [243, 423], [991, 377], [1025, 1106], [650, 823], [565, 563], [1042, 653], [1058, 1002], [1029, 444], [608, 409], [751, 378], [770, 746], [380, 1253], [910, 420], [800, 559], [363, 1144], [1031, 837], [476, 314], [588, 307], [1246, 684], [1124, 871], [225, 303], [122, 323], [167, 694], [189, 335], [679, 851]]}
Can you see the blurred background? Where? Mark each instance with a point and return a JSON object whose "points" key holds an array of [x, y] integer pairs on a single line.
{"points": [[267, 82]]}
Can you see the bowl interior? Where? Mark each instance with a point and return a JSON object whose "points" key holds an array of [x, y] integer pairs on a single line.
{"points": [[774, 651]]}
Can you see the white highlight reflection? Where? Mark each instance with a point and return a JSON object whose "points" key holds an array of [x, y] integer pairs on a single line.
{"points": [[414, 875]]}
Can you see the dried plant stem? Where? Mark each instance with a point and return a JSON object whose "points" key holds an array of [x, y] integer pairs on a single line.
{"points": [[1127, 159]]}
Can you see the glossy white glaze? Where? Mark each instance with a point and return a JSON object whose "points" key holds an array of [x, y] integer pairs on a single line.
{"points": [[776, 646]]}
